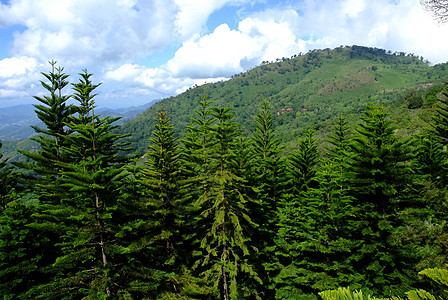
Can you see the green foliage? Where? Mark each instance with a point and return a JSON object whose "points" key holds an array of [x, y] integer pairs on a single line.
{"points": [[413, 98], [215, 210], [317, 87], [7, 182], [224, 219], [430, 160], [441, 118], [379, 174], [439, 276], [20, 250], [345, 294], [303, 163], [164, 200], [268, 176]]}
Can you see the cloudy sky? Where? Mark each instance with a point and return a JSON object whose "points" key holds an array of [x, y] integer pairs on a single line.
{"points": [[151, 49]]}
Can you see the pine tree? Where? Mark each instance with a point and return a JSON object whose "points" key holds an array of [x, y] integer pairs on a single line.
{"points": [[424, 230], [164, 199], [310, 244], [19, 245], [269, 179], [21, 249], [224, 246], [54, 112], [379, 177], [430, 161], [338, 152], [92, 177], [303, 164], [440, 124], [41, 174]]}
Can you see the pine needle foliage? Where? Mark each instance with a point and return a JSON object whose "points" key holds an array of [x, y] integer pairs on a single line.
{"points": [[379, 176], [303, 163], [224, 217], [438, 276], [164, 198], [54, 112], [7, 182], [92, 179], [440, 124]]}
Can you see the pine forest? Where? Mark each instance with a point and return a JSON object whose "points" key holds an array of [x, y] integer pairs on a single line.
{"points": [[220, 201]]}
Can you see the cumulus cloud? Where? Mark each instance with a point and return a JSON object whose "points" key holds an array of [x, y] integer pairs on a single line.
{"points": [[85, 31], [193, 14], [17, 66], [154, 83], [225, 52], [18, 75]]}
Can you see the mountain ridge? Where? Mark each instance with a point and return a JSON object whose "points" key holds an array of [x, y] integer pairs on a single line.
{"points": [[15, 121], [316, 88]]}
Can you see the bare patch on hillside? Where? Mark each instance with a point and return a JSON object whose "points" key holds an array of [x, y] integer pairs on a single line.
{"points": [[348, 83]]}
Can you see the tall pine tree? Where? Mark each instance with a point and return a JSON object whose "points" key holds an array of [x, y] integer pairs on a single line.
{"points": [[225, 248], [379, 178], [91, 178]]}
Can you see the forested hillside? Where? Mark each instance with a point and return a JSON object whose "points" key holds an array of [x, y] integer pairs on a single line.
{"points": [[311, 91], [242, 202]]}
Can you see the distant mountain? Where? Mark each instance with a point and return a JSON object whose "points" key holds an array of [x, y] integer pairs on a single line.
{"points": [[310, 91], [15, 121]]}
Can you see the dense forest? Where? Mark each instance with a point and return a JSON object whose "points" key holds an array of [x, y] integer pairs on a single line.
{"points": [[218, 210]]}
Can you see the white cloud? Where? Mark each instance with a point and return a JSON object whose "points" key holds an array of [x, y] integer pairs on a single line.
{"points": [[16, 66], [225, 52], [18, 76], [90, 31], [193, 14], [213, 55], [353, 8], [126, 72]]}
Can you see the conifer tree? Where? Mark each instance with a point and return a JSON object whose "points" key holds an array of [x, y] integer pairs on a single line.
{"points": [[41, 174], [303, 164], [425, 226], [54, 112], [430, 160], [92, 178], [269, 179], [379, 174], [165, 201], [269, 166], [224, 245], [440, 124], [309, 245], [18, 243], [338, 152], [21, 249], [196, 159], [198, 143]]}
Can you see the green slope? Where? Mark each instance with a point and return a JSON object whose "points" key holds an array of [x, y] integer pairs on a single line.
{"points": [[316, 87]]}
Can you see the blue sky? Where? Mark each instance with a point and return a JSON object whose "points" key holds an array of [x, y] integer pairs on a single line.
{"points": [[151, 49]]}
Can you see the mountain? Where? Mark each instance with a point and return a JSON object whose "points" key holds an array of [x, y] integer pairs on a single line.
{"points": [[310, 91], [15, 120]]}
